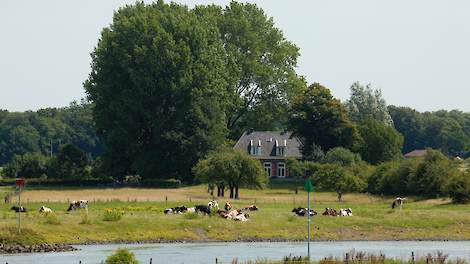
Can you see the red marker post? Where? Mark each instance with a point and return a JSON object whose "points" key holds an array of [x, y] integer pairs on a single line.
{"points": [[19, 182]]}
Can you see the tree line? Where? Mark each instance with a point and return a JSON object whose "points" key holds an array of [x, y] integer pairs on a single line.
{"points": [[170, 85]]}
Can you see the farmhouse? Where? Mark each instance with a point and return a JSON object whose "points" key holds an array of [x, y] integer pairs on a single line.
{"points": [[272, 148]]}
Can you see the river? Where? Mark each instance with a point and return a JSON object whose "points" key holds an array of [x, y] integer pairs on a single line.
{"points": [[167, 253]]}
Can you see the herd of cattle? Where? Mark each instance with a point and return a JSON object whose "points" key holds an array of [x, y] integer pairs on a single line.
{"points": [[228, 211]]}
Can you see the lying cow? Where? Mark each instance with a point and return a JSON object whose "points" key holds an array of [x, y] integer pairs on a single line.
{"points": [[176, 210], [227, 206], [251, 208], [81, 204], [330, 212], [299, 211], [213, 205], [398, 202], [236, 215], [45, 210], [345, 212], [202, 209], [18, 209]]}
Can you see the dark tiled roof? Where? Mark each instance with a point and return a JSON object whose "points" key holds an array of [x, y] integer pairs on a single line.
{"points": [[268, 143], [416, 153]]}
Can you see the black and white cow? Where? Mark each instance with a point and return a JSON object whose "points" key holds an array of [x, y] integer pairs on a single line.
{"points": [[19, 209], [398, 202], [345, 212], [176, 210], [81, 204], [299, 211]]}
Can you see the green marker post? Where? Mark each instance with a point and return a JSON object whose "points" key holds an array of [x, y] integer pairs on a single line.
{"points": [[308, 188]]}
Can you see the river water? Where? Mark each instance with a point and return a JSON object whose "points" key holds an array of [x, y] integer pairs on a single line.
{"points": [[167, 253]]}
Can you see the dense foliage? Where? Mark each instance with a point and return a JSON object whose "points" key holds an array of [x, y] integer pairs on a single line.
{"points": [[319, 119], [33, 132], [121, 256], [448, 131]]}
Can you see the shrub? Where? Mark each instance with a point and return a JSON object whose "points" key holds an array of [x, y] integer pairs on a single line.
{"points": [[121, 256], [459, 188], [112, 214]]}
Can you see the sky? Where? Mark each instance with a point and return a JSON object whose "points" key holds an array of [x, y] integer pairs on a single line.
{"points": [[417, 52]]}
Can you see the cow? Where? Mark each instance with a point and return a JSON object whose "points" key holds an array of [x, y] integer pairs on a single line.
{"points": [[45, 210], [74, 205], [299, 211], [202, 209], [241, 217], [176, 210], [191, 210], [251, 208], [345, 212], [398, 202], [213, 205], [19, 209], [227, 206], [330, 212]]}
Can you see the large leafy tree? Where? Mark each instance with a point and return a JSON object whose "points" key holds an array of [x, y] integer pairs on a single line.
{"points": [[70, 163], [321, 120], [261, 63], [380, 142], [228, 167], [159, 89], [367, 103]]}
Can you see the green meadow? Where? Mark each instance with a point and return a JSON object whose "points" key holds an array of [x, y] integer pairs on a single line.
{"points": [[141, 218]]}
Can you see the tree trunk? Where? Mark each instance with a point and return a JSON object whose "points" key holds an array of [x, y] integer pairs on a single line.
{"points": [[231, 190], [296, 186], [340, 196], [222, 190], [218, 191]]}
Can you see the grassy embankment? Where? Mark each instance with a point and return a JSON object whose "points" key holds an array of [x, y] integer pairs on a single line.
{"points": [[143, 218]]}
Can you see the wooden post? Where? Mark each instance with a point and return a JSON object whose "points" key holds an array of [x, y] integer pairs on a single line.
{"points": [[166, 201], [347, 258], [150, 260], [216, 261]]}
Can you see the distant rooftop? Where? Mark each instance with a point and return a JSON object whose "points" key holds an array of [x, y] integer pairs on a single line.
{"points": [[416, 153], [268, 141]]}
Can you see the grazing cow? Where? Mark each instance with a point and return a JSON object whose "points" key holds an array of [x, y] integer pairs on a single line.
{"points": [[191, 210], [74, 205], [18, 209], [176, 210], [202, 209], [330, 212], [251, 208], [44, 209], [299, 211], [345, 212], [398, 202], [227, 206]]}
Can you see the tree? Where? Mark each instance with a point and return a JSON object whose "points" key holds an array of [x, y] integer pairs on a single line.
{"points": [[297, 170], [70, 163], [459, 188], [342, 156], [320, 120], [410, 124], [367, 103], [380, 142], [332, 177], [159, 91], [228, 167], [434, 173], [261, 63]]}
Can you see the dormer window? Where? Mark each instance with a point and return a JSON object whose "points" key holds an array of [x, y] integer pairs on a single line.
{"points": [[255, 148], [281, 148]]}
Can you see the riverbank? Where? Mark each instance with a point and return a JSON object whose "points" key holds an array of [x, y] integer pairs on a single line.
{"points": [[144, 221]]}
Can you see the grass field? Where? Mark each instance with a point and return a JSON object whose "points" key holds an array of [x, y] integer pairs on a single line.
{"points": [[143, 217]]}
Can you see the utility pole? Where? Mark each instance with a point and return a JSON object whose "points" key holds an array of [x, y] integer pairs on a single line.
{"points": [[308, 188]]}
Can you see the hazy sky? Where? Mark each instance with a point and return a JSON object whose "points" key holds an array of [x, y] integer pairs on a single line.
{"points": [[417, 52]]}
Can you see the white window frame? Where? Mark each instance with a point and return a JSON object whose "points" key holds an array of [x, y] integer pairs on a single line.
{"points": [[268, 168], [281, 171]]}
